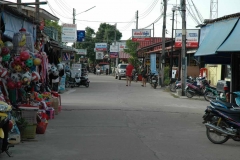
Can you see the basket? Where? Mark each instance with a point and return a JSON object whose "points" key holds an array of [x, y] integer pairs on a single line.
{"points": [[41, 127], [29, 132], [30, 116]]}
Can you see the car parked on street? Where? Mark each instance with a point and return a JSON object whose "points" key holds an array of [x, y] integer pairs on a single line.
{"points": [[120, 71]]}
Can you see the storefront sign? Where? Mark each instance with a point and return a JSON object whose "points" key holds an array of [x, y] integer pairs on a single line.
{"points": [[114, 55], [192, 36], [153, 59], [82, 52], [101, 46], [121, 46], [113, 48], [61, 87], [99, 55], [141, 35], [69, 32], [80, 35]]}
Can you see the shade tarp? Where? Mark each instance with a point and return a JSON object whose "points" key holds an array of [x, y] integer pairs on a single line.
{"points": [[232, 43], [218, 33]]}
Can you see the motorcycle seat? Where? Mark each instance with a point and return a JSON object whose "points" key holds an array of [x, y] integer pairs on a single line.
{"points": [[229, 110], [227, 104]]}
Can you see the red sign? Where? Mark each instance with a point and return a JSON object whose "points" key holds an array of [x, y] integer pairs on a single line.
{"points": [[101, 49], [140, 39], [188, 44], [41, 27]]}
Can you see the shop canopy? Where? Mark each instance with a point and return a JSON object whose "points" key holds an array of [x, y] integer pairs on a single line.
{"points": [[232, 43], [214, 36]]}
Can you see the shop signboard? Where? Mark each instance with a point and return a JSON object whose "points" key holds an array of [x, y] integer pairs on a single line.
{"points": [[114, 55], [192, 36], [61, 87], [101, 46], [82, 52], [80, 35], [141, 35], [99, 55], [153, 59], [69, 32], [121, 46], [113, 48]]}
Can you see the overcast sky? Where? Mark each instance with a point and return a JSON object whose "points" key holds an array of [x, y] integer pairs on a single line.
{"points": [[123, 13]]}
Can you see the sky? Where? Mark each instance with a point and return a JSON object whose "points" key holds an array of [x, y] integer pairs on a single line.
{"points": [[123, 13]]}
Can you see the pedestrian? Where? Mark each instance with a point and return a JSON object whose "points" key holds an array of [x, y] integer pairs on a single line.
{"points": [[144, 76], [129, 70]]}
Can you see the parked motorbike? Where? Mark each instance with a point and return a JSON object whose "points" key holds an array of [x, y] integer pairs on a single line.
{"points": [[222, 120], [135, 76], [5, 127], [84, 81], [192, 89], [177, 84], [153, 80]]}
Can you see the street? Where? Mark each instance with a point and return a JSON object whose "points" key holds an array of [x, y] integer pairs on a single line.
{"points": [[110, 121]]}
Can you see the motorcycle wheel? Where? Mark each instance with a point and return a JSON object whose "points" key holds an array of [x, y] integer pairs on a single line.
{"points": [[208, 95], [87, 85], [189, 94], [155, 85], [172, 87], [236, 138], [216, 137]]}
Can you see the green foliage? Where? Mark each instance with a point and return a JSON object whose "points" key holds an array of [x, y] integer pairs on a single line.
{"points": [[166, 75], [105, 33], [54, 24], [132, 51]]}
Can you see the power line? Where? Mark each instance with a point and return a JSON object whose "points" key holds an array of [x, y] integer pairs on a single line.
{"points": [[103, 21], [62, 7], [63, 2], [146, 13], [56, 11]]}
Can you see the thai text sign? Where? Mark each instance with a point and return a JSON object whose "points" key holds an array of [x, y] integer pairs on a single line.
{"points": [[82, 51], [141, 35], [101, 46], [113, 48], [192, 36], [99, 55], [69, 32]]}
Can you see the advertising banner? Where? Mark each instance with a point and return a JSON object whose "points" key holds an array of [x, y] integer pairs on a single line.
{"points": [[113, 48], [69, 32], [99, 55], [80, 35], [82, 52], [114, 55], [192, 36], [141, 35], [153, 63], [101, 46], [121, 46], [61, 87]]}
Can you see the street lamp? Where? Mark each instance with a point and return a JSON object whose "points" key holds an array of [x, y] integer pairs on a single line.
{"points": [[171, 58]]}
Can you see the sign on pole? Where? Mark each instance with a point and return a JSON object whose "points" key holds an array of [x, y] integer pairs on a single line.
{"points": [[82, 52], [101, 46], [80, 35], [69, 32], [192, 36], [141, 35], [99, 55]]}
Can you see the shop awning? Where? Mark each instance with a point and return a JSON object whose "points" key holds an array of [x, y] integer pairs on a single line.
{"points": [[232, 43], [217, 34]]}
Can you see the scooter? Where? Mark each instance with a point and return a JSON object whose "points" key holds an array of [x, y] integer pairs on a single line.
{"points": [[192, 89], [84, 81], [5, 126], [153, 80], [222, 120]]}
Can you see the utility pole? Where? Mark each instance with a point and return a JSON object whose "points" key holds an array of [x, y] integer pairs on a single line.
{"points": [[37, 11], [137, 20], [153, 29], [115, 37], [163, 41], [184, 59], [74, 15], [19, 7]]}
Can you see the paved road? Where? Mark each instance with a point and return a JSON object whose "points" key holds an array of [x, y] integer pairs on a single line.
{"points": [[110, 121]]}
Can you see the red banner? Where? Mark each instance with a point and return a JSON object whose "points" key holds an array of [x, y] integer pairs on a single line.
{"points": [[140, 39], [188, 44]]}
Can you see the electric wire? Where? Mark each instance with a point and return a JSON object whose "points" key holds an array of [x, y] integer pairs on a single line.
{"points": [[198, 13], [147, 10], [65, 5], [62, 7], [150, 10], [192, 13], [57, 12]]}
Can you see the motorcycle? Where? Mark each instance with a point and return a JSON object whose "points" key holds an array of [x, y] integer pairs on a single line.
{"points": [[153, 80], [211, 93], [135, 76], [177, 84], [222, 120], [83, 81], [192, 89], [5, 127]]}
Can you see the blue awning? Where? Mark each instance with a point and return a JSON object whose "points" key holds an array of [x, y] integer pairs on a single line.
{"points": [[218, 33], [232, 43]]}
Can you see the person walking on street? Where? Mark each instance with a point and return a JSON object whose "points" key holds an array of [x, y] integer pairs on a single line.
{"points": [[129, 70], [144, 76]]}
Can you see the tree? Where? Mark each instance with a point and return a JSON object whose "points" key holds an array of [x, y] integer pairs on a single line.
{"points": [[132, 51], [88, 44], [105, 33], [55, 25]]}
